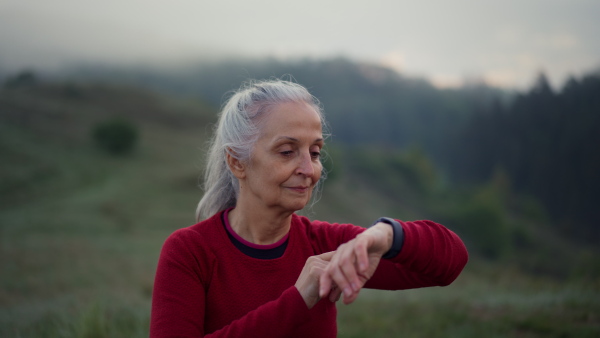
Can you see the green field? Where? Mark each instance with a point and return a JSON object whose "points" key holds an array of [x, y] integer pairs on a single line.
{"points": [[81, 231]]}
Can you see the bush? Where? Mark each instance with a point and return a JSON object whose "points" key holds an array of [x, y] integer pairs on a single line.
{"points": [[116, 136], [484, 223], [483, 218], [25, 78]]}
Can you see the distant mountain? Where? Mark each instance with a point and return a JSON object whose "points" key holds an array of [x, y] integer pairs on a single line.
{"points": [[365, 104]]}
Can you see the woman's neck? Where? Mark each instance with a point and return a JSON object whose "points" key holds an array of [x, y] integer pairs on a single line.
{"points": [[259, 226]]}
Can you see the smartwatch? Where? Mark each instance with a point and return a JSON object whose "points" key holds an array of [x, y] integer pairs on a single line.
{"points": [[398, 240]]}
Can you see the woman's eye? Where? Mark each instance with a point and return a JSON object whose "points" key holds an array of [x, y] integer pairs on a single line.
{"points": [[287, 153], [315, 154]]}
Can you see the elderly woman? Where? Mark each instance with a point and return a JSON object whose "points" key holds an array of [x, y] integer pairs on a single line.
{"points": [[254, 268]]}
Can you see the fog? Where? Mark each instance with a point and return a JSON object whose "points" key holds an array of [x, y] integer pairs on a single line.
{"points": [[505, 44]]}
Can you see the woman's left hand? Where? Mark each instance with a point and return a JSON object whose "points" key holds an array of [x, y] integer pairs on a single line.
{"points": [[355, 262]]}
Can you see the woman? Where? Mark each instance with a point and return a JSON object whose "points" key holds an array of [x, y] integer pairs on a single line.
{"points": [[254, 268]]}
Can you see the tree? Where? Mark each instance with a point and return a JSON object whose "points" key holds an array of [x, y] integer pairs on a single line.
{"points": [[116, 136]]}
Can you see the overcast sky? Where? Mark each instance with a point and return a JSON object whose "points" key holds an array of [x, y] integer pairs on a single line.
{"points": [[505, 42]]}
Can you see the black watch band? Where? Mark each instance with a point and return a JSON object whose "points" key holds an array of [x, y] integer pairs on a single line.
{"points": [[398, 240]]}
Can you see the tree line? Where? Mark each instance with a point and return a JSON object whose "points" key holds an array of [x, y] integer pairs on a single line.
{"points": [[544, 141], [548, 143]]}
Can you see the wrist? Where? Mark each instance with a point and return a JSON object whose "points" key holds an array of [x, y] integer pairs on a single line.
{"points": [[385, 234], [309, 299], [397, 236]]}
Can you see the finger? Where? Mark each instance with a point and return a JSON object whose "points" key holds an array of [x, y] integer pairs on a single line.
{"points": [[335, 294], [322, 260], [339, 278], [339, 295], [343, 259], [362, 255], [316, 262], [351, 298], [325, 283], [348, 268], [326, 256], [347, 263]]}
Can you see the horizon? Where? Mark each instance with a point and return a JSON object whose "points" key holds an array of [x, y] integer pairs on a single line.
{"points": [[171, 68]]}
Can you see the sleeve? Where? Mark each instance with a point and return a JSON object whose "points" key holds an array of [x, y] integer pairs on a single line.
{"points": [[178, 300], [431, 255], [179, 293], [277, 318]]}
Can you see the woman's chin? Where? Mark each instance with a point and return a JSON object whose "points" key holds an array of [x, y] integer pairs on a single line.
{"points": [[297, 206]]}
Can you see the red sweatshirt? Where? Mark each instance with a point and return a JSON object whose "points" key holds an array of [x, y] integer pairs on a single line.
{"points": [[206, 287]]}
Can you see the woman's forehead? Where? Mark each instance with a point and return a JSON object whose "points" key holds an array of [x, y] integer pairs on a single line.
{"points": [[291, 118]]}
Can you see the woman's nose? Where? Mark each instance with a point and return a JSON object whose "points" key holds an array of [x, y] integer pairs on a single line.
{"points": [[305, 167]]}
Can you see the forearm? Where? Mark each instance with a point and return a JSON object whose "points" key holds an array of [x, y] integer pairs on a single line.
{"points": [[290, 313], [431, 255], [289, 309]]}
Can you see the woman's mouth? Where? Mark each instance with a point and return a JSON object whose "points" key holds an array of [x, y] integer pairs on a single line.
{"points": [[299, 189]]}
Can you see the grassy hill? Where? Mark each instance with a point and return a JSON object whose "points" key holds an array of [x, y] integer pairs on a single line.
{"points": [[81, 229]]}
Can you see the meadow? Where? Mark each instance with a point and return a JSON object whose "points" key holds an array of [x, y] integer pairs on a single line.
{"points": [[81, 231]]}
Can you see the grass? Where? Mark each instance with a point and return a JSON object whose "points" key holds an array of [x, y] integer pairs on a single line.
{"points": [[498, 303], [81, 233], [79, 242]]}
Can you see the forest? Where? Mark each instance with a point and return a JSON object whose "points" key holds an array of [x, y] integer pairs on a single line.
{"points": [[544, 140], [547, 144], [101, 164]]}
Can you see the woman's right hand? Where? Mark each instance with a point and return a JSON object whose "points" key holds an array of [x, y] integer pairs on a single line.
{"points": [[308, 281]]}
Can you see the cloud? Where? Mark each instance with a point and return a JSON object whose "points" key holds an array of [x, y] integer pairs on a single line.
{"points": [[501, 77], [443, 40], [559, 41], [446, 80], [394, 59]]}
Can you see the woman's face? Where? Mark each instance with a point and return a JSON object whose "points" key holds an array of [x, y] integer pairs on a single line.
{"points": [[285, 165]]}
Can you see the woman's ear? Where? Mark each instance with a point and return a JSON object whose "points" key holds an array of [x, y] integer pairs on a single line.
{"points": [[236, 166]]}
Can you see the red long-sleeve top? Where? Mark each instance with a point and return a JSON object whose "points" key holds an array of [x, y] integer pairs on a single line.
{"points": [[206, 287]]}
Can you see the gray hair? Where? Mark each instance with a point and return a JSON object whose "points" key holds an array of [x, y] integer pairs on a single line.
{"points": [[236, 133]]}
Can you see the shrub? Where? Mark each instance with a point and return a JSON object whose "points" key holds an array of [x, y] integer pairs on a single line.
{"points": [[116, 136], [24, 78], [485, 224]]}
